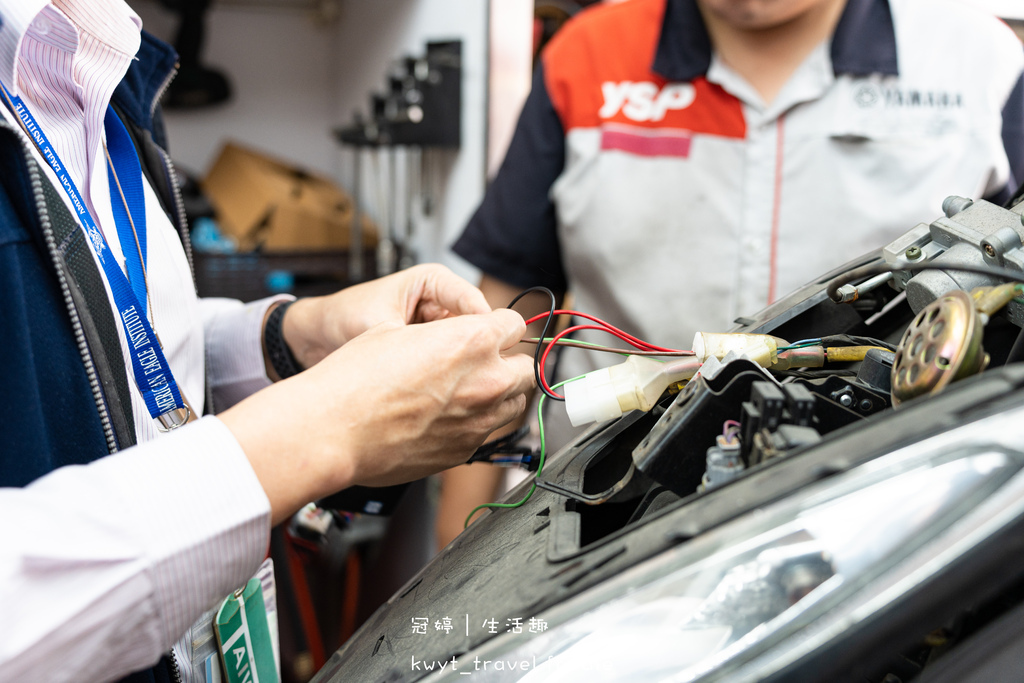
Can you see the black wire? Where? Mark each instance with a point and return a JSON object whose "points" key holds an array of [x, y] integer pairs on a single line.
{"points": [[879, 268], [504, 445], [809, 373], [543, 335]]}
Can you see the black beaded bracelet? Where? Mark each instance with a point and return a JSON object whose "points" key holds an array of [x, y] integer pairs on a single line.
{"points": [[281, 357]]}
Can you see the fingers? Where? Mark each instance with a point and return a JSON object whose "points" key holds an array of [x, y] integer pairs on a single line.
{"points": [[444, 292], [509, 409], [520, 368]]}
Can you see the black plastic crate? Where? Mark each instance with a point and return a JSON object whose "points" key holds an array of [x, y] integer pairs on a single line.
{"points": [[253, 275]]}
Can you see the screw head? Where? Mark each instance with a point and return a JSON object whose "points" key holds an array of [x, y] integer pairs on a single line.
{"points": [[913, 253], [865, 404], [846, 400], [990, 250]]}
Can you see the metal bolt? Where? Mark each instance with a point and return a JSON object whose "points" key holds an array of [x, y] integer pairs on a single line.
{"points": [[866, 404], [846, 294], [913, 253], [990, 250], [843, 396]]}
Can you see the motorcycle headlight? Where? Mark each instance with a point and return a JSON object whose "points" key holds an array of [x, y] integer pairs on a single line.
{"points": [[760, 591]]}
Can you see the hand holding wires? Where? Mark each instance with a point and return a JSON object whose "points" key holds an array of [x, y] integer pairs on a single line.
{"points": [[547, 328]]}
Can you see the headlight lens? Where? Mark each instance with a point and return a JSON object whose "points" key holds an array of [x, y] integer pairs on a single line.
{"points": [[733, 598]]}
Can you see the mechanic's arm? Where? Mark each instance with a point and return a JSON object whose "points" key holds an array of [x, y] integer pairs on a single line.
{"points": [[392, 405], [383, 400], [104, 565], [463, 488]]}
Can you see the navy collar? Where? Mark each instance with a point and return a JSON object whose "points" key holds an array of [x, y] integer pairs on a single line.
{"points": [[863, 43], [148, 75]]}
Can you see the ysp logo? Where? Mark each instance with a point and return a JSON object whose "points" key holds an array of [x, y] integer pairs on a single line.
{"points": [[643, 101]]}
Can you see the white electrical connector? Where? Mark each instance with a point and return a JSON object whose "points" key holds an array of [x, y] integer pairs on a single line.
{"points": [[763, 349], [639, 382], [636, 384]]}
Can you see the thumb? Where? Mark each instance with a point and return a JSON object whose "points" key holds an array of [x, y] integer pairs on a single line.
{"points": [[510, 326]]}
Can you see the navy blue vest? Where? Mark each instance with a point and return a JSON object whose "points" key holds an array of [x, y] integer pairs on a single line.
{"points": [[48, 416]]}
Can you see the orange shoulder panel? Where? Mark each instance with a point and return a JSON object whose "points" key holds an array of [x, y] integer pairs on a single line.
{"points": [[604, 42], [597, 70]]}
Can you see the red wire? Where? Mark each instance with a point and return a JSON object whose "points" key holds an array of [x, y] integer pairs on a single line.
{"points": [[608, 327], [544, 356], [601, 326], [566, 331]]}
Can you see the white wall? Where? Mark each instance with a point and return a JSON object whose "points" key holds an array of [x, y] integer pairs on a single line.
{"points": [[371, 36], [282, 70], [511, 56], [296, 80]]}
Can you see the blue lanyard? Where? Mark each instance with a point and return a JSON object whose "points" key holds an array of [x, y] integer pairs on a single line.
{"points": [[152, 372]]}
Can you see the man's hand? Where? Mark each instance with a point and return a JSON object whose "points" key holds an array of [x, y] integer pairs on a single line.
{"points": [[316, 326], [464, 488], [392, 405]]}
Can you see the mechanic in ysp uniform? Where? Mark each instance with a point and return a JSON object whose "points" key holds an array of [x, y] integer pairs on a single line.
{"points": [[118, 535], [680, 163]]}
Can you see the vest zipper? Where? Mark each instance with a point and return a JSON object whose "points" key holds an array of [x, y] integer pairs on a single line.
{"points": [[181, 223], [163, 88], [179, 209], [175, 669]]}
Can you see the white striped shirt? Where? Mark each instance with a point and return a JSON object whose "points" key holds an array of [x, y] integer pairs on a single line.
{"points": [[109, 563]]}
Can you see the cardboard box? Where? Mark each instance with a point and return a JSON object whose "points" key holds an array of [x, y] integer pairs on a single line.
{"points": [[270, 205]]}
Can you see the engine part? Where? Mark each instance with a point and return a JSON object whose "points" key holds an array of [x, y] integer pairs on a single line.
{"points": [[762, 411], [673, 451], [942, 344], [876, 370], [988, 300], [848, 293], [723, 462], [769, 408], [776, 444], [974, 233]]}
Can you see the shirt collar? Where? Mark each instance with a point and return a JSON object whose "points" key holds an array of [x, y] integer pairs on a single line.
{"points": [[15, 18], [109, 21], [864, 41]]}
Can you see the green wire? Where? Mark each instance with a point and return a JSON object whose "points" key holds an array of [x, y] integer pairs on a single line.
{"points": [[540, 465], [801, 345]]}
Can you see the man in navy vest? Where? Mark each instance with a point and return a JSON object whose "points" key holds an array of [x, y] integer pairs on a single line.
{"points": [[127, 513]]}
